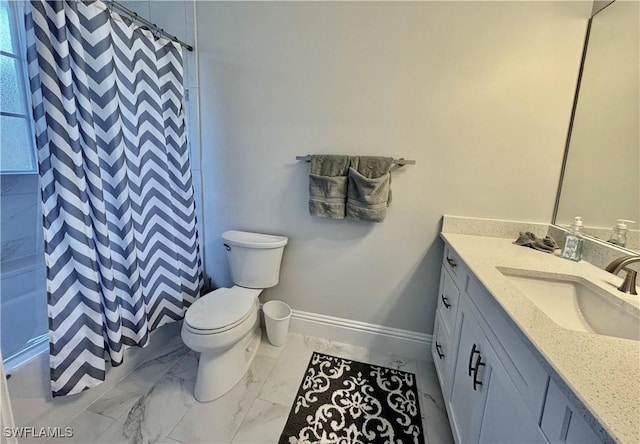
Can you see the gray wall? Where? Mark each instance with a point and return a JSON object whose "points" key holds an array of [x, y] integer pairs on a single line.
{"points": [[478, 93]]}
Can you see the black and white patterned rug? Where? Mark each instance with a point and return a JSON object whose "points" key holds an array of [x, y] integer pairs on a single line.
{"points": [[350, 402]]}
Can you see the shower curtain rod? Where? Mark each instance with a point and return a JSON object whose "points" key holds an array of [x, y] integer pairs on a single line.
{"points": [[155, 28]]}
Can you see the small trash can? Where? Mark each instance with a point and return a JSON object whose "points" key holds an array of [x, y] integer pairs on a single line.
{"points": [[276, 318]]}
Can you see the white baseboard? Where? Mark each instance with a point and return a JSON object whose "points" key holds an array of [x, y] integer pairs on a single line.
{"points": [[406, 343]]}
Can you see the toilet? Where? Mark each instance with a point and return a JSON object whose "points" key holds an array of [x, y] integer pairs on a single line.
{"points": [[223, 324]]}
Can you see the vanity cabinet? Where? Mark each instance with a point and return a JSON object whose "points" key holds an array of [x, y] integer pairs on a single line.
{"points": [[495, 388]]}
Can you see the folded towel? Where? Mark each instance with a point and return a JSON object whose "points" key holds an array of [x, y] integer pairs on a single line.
{"points": [[528, 239], [328, 185], [369, 191]]}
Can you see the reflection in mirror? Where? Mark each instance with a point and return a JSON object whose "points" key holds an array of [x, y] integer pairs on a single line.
{"points": [[601, 180]]}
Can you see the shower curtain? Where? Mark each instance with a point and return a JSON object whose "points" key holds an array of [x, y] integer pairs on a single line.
{"points": [[121, 244]]}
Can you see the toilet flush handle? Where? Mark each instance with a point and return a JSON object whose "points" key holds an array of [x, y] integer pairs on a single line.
{"points": [[227, 247]]}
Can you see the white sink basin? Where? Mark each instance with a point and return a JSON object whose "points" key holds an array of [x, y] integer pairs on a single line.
{"points": [[576, 304]]}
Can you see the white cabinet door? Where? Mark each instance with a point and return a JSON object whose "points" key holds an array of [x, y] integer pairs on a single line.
{"points": [[506, 417], [466, 401], [485, 405], [561, 421]]}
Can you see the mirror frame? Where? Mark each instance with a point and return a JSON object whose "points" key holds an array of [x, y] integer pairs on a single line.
{"points": [[598, 5], [574, 107]]}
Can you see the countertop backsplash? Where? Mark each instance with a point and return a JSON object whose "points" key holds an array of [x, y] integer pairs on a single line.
{"points": [[596, 252], [490, 227]]}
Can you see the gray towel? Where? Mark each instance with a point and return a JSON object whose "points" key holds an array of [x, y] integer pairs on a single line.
{"points": [[369, 191], [528, 239], [328, 185]]}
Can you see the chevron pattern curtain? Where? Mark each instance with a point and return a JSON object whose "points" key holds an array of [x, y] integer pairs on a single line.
{"points": [[121, 242]]}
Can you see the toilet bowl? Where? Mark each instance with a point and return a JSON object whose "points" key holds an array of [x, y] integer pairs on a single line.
{"points": [[222, 325], [215, 326]]}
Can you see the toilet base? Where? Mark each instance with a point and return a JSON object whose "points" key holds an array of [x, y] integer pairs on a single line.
{"points": [[220, 372]]}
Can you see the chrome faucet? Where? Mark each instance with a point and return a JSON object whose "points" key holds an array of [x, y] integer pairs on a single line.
{"points": [[629, 283]]}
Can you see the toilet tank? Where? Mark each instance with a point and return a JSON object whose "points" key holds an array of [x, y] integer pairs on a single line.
{"points": [[254, 258]]}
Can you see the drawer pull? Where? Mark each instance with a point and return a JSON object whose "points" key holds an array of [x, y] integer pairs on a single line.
{"points": [[438, 350], [475, 372], [452, 262], [474, 350], [445, 301]]}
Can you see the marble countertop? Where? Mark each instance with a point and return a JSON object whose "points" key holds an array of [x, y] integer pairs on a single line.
{"points": [[602, 371]]}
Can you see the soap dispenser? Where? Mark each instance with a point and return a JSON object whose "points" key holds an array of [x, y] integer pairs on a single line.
{"points": [[619, 232], [573, 241]]}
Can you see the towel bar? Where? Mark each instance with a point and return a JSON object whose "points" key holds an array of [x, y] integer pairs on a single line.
{"points": [[400, 162]]}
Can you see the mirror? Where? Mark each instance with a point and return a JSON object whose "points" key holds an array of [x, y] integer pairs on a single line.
{"points": [[600, 178]]}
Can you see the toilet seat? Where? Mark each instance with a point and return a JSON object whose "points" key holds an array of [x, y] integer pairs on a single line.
{"points": [[221, 310]]}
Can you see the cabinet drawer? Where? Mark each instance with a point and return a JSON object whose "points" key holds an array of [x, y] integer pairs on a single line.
{"points": [[456, 268], [440, 350], [527, 373], [561, 422], [448, 300]]}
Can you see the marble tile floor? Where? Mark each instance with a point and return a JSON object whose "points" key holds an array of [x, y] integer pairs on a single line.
{"points": [[155, 403]]}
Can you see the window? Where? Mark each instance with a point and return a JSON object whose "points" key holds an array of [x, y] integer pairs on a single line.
{"points": [[17, 154]]}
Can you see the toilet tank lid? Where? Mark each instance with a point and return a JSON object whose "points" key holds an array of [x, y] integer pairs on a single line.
{"points": [[253, 240]]}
